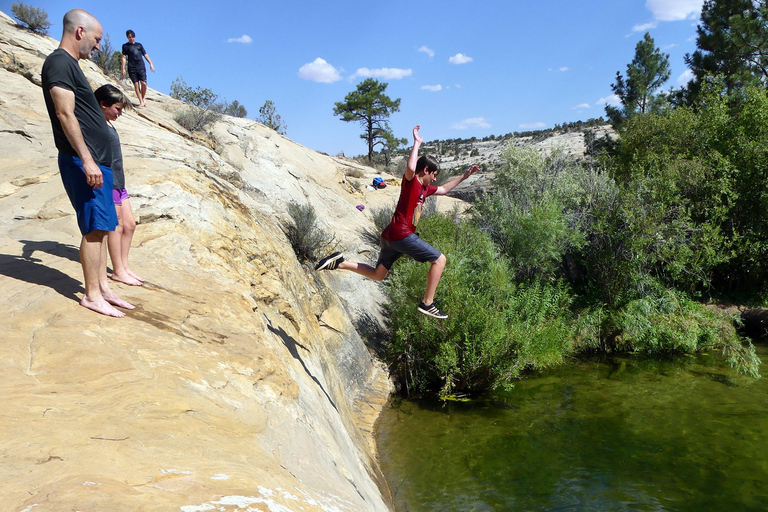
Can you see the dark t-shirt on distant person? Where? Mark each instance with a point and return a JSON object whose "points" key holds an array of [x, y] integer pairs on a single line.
{"points": [[62, 70], [134, 53]]}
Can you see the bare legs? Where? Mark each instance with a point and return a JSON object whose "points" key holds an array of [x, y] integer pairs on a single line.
{"points": [[380, 272], [119, 242], [141, 92], [377, 274], [98, 296], [433, 278]]}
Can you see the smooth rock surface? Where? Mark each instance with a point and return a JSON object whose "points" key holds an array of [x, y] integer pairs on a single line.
{"points": [[239, 381]]}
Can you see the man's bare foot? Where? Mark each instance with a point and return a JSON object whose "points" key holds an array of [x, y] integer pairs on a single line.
{"points": [[130, 273], [102, 307], [113, 299], [125, 279]]}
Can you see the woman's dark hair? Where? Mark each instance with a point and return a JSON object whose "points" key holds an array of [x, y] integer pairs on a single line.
{"points": [[429, 162], [109, 95]]}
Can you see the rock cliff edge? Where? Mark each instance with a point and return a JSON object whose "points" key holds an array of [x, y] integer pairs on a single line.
{"points": [[239, 382]]}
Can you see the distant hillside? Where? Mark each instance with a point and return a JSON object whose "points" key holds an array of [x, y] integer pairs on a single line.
{"points": [[460, 153]]}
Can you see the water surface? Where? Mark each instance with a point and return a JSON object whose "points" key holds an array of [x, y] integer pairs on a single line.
{"points": [[623, 434]]}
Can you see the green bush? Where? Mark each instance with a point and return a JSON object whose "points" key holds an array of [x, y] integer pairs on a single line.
{"points": [[669, 323], [536, 209], [308, 241], [496, 328], [35, 18], [204, 108], [107, 58]]}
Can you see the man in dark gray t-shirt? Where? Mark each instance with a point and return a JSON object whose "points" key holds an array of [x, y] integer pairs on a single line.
{"points": [[85, 153]]}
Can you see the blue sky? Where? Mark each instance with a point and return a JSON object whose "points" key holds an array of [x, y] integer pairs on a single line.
{"points": [[461, 69]]}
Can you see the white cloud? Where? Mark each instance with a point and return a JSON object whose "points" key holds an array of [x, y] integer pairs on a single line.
{"points": [[686, 77], [428, 51], [562, 69], [245, 39], [474, 122], [385, 73], [319, 71], [460, 58], [581, 105], [532, 126], [611, 100], [433, 88], [674, 10], [645, 27]]}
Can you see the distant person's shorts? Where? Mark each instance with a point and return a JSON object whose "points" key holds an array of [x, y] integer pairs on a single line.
{"points": [[94, 207], [411, 245], [119, 195], [138, 75]]}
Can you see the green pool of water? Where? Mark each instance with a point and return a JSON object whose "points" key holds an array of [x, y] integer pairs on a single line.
{"points": [[623, 434]]}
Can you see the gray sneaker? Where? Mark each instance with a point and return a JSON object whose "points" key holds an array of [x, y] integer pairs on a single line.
{"points": [[330, 262], [431, 310]]}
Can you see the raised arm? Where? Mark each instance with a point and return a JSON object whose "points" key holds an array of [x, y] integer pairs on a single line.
{"points": [[410, 170], [444, 189], [64, 102]]}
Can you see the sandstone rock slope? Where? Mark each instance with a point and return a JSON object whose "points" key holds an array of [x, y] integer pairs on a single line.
{"points": [[239, 381]]}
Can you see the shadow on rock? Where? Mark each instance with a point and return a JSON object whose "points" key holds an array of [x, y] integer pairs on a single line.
{"points": [[32, 271], [291, 344], [67, 251]]}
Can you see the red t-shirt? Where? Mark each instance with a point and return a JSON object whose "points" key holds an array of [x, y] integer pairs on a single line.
{"points": [[408, 210]]}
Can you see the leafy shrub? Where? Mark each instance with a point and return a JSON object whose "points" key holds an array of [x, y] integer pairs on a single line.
{"points": [[35, 18], [269, 117], [669, 322], [203, 109], [107, 58], [535, 210], [496, 327], [308, 241], [235, 109]]}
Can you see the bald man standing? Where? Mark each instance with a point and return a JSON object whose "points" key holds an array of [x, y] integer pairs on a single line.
{"points": [[85, 154]]}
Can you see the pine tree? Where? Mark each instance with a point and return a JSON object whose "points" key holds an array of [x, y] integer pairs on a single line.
{"points": [[369, 106], [645, 75], [732, 45]]}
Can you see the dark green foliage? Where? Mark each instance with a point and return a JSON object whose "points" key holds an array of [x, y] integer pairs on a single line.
{"points": [[269, 117], [369, 106], [496, 328], [669, 322], [732, 41], [203, 108], [308, 240], [645, 74], [35, 18], [235, 109], [705, 171], [107, 58]]}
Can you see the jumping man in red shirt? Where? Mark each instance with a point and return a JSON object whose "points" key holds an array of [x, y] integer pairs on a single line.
{"points": [[400, 236]]}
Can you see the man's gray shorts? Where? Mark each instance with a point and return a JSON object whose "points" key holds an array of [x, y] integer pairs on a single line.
{"points": [[411, 245]]}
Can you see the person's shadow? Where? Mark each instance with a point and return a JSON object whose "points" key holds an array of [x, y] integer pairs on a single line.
{"points": [[291, 344], [30, 269]]}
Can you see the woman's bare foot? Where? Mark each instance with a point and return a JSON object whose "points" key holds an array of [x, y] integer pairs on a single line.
{"points": [[113, 299], [102, 307], [130, 273], [126, 279]]}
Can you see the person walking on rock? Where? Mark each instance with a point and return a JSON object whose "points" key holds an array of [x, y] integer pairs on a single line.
{"points": [[85, 153], [134, 55], [400, 235]]}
